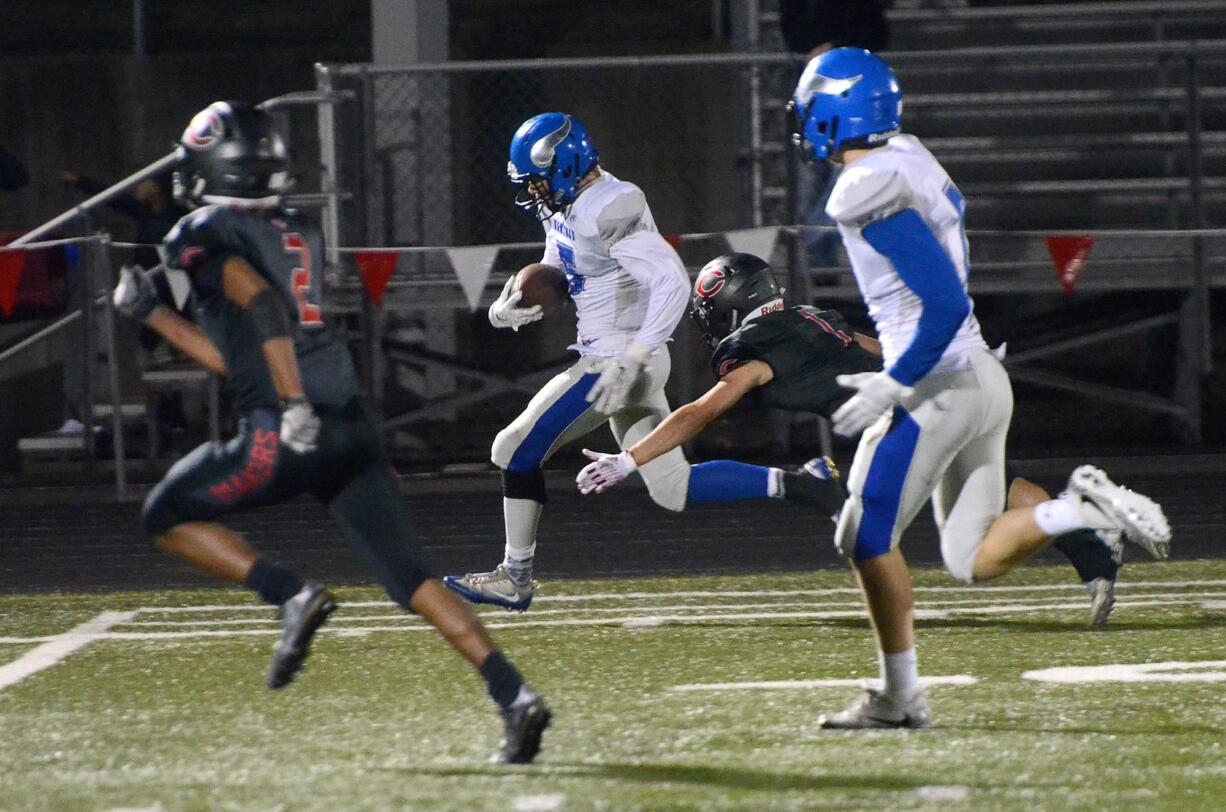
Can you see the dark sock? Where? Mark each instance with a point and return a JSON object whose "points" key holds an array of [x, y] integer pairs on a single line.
{"points": [[827, 494], [1090, 557], [275, 583], [501, 678]]}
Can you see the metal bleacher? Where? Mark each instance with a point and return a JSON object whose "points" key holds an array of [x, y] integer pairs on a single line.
{"points": [[1076, 115]]}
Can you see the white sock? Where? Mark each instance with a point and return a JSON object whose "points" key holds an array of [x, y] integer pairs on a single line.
{"points": [[899, 673], [774, 483], [1058, 516], [521, 517]]}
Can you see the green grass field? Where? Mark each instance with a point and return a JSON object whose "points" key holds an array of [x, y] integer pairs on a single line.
{"points": [[162, 704]]}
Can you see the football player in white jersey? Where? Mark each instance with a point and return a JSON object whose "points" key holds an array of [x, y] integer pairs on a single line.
{"points": [[630, 290], [935, 418]]}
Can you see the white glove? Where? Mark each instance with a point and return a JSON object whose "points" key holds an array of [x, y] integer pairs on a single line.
{"points": [[299, 425], [876, 394], [617, 377], [605, 471], [135, 296], [505, 313]]}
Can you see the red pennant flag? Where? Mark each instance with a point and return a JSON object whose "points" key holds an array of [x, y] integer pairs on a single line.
{"points": [[673, 239], [11, 263], [376, 268], [1069, 254]]}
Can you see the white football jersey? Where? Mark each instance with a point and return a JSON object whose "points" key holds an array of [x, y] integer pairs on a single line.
{"points": [[608, 228], [902, 175]]}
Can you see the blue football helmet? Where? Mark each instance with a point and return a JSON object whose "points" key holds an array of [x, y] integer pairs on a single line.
{"points": [[553, 148], [846, 98]]}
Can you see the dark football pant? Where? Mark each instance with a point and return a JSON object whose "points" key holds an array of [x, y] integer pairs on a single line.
{"points": [[348, 471]]}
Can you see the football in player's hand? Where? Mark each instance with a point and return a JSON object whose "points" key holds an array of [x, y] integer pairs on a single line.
{"points": [[543, 285]]}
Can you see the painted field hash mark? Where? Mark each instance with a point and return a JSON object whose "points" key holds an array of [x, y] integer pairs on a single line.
{"points": [[54, 649]]}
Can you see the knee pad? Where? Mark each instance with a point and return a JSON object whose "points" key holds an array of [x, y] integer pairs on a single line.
{"points": [[400, 586], [524, 485]]}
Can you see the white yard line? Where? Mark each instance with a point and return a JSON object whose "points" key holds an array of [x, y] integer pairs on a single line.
{"points": [[791, 684], [1124, 586], [1194, 671], [932, 607], [60, 646], [705, 614]]}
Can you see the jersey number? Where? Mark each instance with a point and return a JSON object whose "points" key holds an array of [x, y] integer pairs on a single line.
{"points": [[308, 313], [574, 280]]}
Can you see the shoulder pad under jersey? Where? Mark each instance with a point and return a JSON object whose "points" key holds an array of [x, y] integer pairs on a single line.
{"points": [[616, 208], [197, 237], [865, 194]]}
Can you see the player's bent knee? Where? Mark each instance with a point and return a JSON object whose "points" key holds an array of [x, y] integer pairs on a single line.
{"points": [[504, 446], [524, 485], [960, 562], [158, 514], [668, 481]]}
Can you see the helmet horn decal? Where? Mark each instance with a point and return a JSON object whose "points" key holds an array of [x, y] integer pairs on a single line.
{"points": [[710, 283], [825, 85], [543, 150]]}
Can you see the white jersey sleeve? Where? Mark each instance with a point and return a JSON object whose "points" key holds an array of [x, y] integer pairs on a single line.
{"points": [[654, 264]]}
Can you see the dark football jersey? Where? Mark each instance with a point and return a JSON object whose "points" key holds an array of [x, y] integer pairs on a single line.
{"points": [[805, 348], [287, 251]]}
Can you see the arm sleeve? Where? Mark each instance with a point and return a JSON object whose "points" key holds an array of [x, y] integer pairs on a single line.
{"points": [[654, 264], [924, 267]]}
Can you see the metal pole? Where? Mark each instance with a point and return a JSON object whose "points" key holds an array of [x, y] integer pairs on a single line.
{"points": [[156, 168], [138, 28], [112, 368], [1196, 175], [85, 302], [755, 119], [327, 161]]}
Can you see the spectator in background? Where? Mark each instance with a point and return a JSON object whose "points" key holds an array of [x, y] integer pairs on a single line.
{"points": [[13, 175], [151, 206], [812, 27]]}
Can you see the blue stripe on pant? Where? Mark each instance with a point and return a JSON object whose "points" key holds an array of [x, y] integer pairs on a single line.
{"points": [[551, 425], [882, 493]]}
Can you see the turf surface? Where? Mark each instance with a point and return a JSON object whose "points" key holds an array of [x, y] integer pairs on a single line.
{"points": [[166, 709]]}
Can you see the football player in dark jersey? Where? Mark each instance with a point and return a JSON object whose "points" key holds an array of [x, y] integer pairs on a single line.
{"points": [[256, 269], [794, 357]]}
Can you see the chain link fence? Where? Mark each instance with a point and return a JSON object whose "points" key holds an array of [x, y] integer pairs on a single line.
{"points": [[426, 149]]}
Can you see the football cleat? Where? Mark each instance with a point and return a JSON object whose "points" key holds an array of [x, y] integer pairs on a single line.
{"points": [[524, 722], [301, 616], [817, 482], [1107, 506], [875, 710], [1102, 601], [497, 588]]}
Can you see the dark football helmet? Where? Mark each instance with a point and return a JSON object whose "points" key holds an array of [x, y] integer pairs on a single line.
{"points": [[232, 153], [728, 288]]}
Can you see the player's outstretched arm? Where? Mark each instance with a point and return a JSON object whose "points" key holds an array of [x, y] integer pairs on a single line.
{"points": [[607, 470], [136, 297]]}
